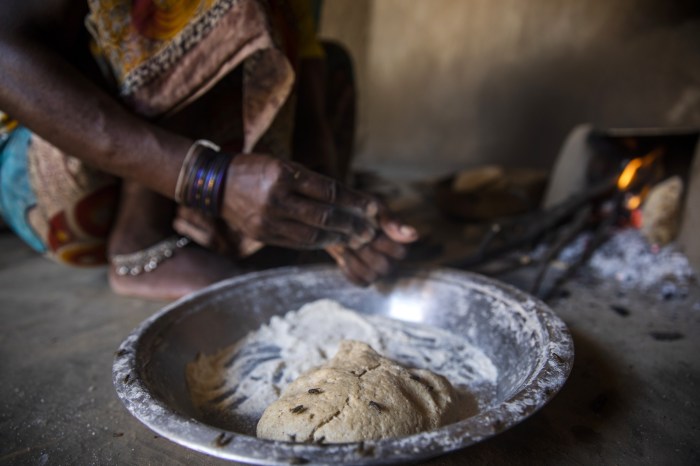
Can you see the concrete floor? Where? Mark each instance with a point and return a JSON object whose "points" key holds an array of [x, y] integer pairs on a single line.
{"points": [[631, 398]]}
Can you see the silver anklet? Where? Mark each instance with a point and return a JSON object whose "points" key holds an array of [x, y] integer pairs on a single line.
{"points": [[147, 260]]}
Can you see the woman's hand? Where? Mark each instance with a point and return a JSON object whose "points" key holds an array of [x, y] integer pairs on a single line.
{"points": [[281, 203], [367, 263]]}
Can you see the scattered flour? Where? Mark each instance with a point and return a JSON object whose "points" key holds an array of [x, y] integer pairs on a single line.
{"points": [[236, 384]]}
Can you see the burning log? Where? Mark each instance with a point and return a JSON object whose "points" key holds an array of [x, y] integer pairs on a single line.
{"points": [[599, 207], [531, 228], [601, 234], [568, 234]]}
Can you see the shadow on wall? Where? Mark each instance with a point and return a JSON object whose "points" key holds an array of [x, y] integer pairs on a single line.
{"points": [[524, 112]]}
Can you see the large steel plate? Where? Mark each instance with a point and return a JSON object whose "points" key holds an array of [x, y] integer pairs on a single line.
{"points": [[530, 346]]}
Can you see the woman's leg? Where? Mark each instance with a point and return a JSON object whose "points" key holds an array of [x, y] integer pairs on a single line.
{"points": [[144, 219]]}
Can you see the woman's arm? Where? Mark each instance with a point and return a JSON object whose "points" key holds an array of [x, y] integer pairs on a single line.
{"points": [[270, 200], [43, 90]]}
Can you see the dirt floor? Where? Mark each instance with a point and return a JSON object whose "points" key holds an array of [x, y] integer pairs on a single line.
{"points": [[631, 398]]}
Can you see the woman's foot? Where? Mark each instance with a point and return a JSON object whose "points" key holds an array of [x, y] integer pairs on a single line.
{"points": [[189, 269], [145, 219]]}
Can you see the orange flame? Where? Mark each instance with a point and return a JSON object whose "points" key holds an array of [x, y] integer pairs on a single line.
{"points": [[634, 202], [633, 166], [628, 173]]}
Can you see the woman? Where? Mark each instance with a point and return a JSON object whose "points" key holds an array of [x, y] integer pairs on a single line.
{"points": [[191, 101]]}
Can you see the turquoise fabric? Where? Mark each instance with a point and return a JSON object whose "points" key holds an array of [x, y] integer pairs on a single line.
{"points": [[16, 194]]}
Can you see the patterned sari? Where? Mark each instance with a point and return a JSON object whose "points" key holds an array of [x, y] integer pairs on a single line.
{"points": [[161, 57]]}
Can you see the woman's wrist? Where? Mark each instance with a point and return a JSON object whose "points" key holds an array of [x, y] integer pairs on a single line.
{"points": [[202, 178]]}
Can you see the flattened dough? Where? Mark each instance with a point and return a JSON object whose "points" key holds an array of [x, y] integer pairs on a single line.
{"points": [[359, 395]]}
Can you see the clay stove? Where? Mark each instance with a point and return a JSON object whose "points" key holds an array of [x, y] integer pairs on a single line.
{"points": [[659, 155], [640, 185]]}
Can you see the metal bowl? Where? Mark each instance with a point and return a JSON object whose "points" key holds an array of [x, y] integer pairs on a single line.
{"points": [[530, 346]]}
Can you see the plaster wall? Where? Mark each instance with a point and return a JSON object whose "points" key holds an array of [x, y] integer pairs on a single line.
{"points": [[449, 84]]}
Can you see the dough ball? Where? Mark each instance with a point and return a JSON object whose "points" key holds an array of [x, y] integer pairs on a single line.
{"points": [[359, 395]]}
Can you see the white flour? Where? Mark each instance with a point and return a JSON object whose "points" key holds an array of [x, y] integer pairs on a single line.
{"points": [[239, 382]]}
